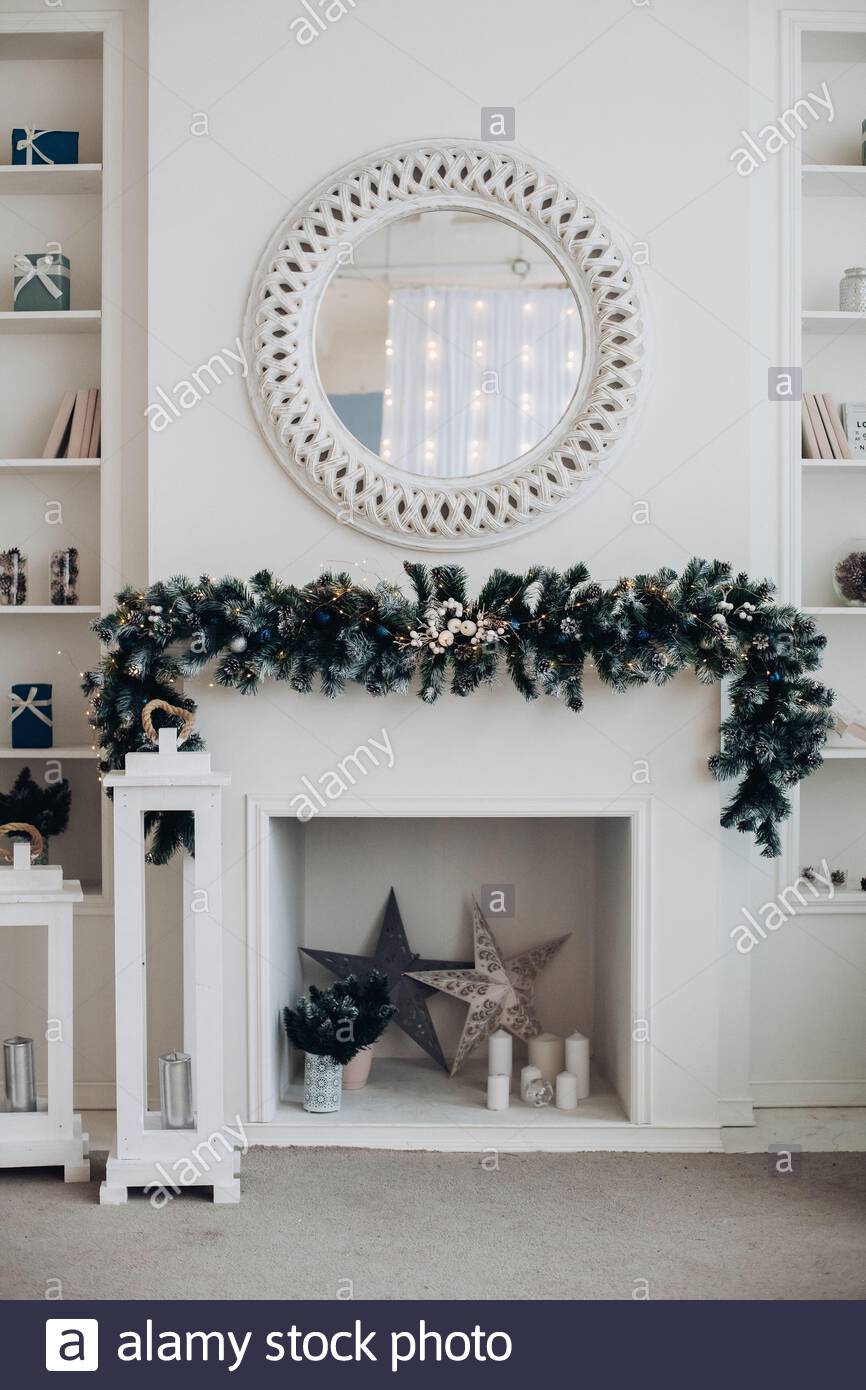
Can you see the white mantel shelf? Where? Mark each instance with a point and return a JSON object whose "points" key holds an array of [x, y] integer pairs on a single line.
{"points": [[413, 1104]]}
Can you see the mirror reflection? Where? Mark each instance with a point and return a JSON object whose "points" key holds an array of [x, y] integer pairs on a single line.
{"points": [[451, 345]]}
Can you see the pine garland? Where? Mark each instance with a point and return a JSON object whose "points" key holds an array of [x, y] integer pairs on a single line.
{"points": [[544, 627]]}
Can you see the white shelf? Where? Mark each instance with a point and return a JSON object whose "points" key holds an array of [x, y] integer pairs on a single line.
{"points": [[819, 464], [832, 321], [54, 610], [834, 180], [46, 45], [28, 179], [49, 465], [63, 751], [836, 611], [844, 901], [51, 321]]}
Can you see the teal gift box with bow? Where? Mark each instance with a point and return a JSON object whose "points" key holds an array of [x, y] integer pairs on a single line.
{"points": [[41, 281], [43, 147], [32, 716]]}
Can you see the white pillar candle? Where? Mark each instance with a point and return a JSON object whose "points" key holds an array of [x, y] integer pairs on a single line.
{"points": [[527, 1074], [547, 1052], [566, 1091], [499, 1053], [498, 1088], [577, 1062]]}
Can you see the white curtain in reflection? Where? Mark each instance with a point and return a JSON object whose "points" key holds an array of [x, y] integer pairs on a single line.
{"points": [[475, 378]]}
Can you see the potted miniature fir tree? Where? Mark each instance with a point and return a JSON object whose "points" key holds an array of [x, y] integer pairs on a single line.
{"points": [[27, 803], [332, 1027]]}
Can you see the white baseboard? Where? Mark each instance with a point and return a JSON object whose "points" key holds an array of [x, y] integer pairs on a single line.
{"points": [[808, 1093], [94, 1095], [736, 1111]]}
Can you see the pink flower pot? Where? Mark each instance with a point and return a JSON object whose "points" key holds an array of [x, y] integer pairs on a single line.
{"points": [[356, 1072]]}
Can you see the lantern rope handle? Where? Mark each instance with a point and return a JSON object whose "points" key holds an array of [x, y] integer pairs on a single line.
{"points": [[186, 716], [21, 827]]}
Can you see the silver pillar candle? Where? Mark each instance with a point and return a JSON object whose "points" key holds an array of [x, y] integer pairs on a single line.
{"points": [[175, 1090], [20, 1074]]}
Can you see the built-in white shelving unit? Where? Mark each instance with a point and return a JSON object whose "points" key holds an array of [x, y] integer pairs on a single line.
{"points": [[66, 72], [824, 209]]}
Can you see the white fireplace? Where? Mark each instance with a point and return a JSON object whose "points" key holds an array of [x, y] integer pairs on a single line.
{"points": [[578, 865]]}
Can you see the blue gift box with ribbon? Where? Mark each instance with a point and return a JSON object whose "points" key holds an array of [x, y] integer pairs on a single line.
{"points": [[32, 716], [41, 281], [42, 147]]}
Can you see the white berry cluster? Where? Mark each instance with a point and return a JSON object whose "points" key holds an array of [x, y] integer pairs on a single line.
{"points": [[720, 619], [745, 613], [449, 621]]}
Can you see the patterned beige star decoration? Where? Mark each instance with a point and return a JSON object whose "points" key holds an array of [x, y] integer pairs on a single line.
{"points": [[500, 993]]}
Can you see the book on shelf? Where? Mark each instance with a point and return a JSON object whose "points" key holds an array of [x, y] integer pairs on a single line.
{"points": [[55, 445], [838, 428], [823, 434], [96, 432], [76, 431]]}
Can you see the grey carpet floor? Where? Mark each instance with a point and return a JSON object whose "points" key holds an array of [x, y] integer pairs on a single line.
{"points": [[325, 1223]]}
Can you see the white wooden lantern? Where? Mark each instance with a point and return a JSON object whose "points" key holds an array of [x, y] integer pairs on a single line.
{"points": [[38, 896], [145, 1154]]}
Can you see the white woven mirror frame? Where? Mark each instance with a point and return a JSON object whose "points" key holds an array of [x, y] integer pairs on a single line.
{"points": [[292, 407]]}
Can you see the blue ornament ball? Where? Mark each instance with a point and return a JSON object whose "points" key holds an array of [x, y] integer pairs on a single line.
{"points": [[322, 617], [514, 624], [265, 634], [774, 676], [642, 633], [382, 631]]}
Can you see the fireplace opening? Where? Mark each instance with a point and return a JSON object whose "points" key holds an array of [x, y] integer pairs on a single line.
{"points": [[539, 877]]}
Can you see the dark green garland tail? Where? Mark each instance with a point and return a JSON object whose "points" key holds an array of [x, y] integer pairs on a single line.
{"points": [[543, 627]]}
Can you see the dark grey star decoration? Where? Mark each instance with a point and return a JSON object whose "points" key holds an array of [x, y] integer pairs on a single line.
{"points": [[393, 957]]}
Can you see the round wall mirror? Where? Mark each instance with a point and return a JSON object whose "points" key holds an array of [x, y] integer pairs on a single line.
{"points": [[450, 344], [445, 340]]}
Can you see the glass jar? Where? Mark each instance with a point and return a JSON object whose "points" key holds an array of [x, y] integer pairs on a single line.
{"points": [[852, 290], [849, 574]]}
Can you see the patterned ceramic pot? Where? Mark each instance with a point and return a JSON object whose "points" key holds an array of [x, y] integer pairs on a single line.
{"points": [[323, 1079]]}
